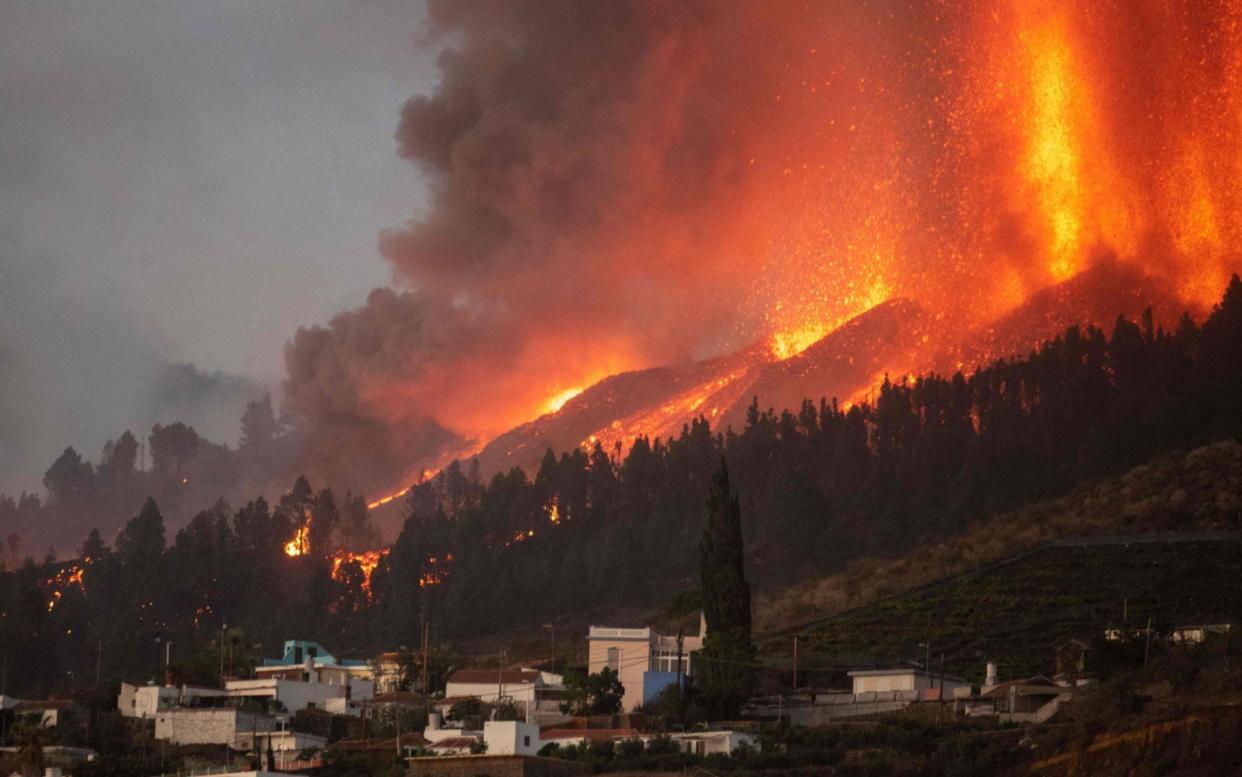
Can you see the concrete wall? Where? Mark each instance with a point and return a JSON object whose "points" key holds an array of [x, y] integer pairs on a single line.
{"points": [[495, 766], [208, 726]]}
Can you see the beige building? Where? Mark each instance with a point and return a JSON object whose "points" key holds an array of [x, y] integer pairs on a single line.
{"points": [[885, 680], [646, 662]]}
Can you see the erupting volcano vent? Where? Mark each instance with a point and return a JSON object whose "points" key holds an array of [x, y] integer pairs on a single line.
{"points": [[629, 184]]}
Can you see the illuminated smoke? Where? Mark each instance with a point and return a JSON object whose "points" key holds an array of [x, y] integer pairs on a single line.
{"points": [[625, 184]]}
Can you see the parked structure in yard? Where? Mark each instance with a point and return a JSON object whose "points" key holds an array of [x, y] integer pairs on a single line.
{"points": [[646, 662]]}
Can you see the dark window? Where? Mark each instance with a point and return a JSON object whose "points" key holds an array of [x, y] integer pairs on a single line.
{"points": [[526, 741]]}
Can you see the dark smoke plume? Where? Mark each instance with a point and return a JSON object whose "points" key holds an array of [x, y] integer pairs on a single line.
{"points": [[621, 184]]}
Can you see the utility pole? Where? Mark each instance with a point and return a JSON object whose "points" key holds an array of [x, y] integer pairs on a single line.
{"points": [[500, 685], [795, 662], [424, 677], [1147, 649], [552, 631], [680, 640]]}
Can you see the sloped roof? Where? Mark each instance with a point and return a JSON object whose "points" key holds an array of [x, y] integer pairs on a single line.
{"points": [[494, 677], [592, 734]]}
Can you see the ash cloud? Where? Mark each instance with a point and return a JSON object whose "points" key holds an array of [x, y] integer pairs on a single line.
{"points": [[211, 400], [578, 169], [622, 184]]}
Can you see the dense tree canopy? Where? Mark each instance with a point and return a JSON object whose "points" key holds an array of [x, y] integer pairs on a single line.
{"points": [[815, 486]]}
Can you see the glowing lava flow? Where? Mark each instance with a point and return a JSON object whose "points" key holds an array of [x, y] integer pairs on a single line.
{"points": [[557, 401], [367, 561], [68, 576]]}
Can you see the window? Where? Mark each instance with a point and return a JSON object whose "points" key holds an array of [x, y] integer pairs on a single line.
{"points": [[526, 741], [614, 659]]}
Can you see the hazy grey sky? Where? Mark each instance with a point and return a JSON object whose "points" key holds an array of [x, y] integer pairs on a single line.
{"points": [[185, 182]]}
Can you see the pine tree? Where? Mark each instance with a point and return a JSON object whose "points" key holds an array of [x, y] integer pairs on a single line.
{"points": [[724, 672]]}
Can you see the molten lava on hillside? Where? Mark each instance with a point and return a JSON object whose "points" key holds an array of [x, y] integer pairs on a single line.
{"points": [[693, 179]]}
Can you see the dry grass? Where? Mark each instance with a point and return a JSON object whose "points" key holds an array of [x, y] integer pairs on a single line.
{"points": [[1195, 491]]}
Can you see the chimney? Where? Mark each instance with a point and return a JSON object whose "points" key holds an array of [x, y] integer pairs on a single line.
{"points": [[702, 624], [991, 678], [433, 721]]}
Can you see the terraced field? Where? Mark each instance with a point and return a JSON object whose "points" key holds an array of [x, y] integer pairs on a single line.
{"points": [[1016, 612]]}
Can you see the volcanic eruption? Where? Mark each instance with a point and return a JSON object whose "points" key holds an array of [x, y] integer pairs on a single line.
{"points": [[691, 196]]}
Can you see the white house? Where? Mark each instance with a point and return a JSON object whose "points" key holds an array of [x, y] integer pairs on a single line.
{"points": [[713, 742], [511, 737], [883, 680], [297, 695], [285, 745], [518, 685], [144, 701]]}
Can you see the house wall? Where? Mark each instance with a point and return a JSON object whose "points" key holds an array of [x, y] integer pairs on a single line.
{"points": [[889, 682], [143, 701], [633, 660], [519, 692], [907, 681], [510, 737], [208, 726], [495, 766], [293, 694], [282, 741]]}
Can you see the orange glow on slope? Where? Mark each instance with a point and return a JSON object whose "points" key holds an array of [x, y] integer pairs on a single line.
{"points": [[70, 575], [367, 561], [962, 156], [557, 401], [299, 544]]}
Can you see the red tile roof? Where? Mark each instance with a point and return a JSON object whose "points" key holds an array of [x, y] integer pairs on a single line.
{"points": [[490, 677], [593, 734]]}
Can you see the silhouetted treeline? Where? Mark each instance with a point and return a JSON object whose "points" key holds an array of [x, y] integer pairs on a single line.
{"points": [[591, 529], [173, 464]]}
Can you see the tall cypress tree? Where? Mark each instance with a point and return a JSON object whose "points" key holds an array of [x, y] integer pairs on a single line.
{"points": [[724, 674]]}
